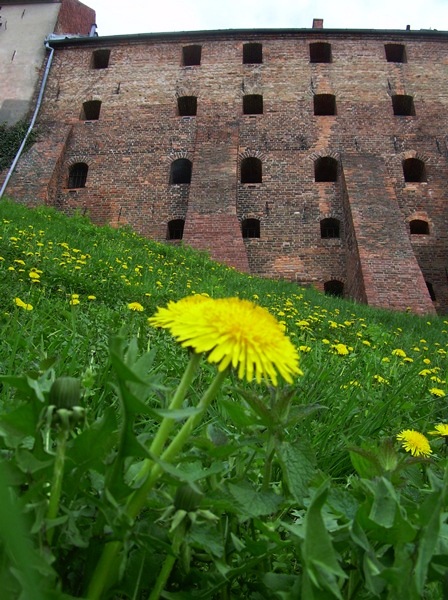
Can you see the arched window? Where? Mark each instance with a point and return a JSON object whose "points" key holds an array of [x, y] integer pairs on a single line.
{"points": [[187, 106], [320, 52], [251, 170], [253, 104], [252, 54], [175, 229], [180, 171], [414, 170], [329, 228], [431, 291], [334, 288], [419, 227], [91, 110], [324, 104], [77, 175], [250, 228], [326, 169], [100, 59]]}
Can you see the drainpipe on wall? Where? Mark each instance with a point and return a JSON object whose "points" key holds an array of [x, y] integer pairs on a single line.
{"points": [[33, 120]]}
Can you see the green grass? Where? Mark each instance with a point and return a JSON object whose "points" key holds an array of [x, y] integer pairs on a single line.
{"points": [[368, 374]]}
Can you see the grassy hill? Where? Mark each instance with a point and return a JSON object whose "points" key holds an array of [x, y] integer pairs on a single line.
{"points": [[297, 491]]}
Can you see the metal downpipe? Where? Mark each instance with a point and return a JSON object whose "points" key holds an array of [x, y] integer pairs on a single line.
{"points": [[33, 120]]}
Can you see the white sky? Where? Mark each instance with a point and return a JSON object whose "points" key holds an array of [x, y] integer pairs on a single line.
{"points": [[115, 17]]}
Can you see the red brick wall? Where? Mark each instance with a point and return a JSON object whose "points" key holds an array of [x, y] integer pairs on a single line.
{"points": [[130, 148], [75, 17]]}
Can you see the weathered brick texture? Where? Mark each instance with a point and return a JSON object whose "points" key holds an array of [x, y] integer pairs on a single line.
{"points": [[131, 147]]}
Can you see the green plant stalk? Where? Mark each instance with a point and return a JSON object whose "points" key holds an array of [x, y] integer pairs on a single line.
{"points": [[108, 559], [58, 475], [167, 423], [163, 577]]}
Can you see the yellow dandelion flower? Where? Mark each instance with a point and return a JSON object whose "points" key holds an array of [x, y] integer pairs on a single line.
{"points": [[233, 332], [380, 379], [21, 304], [427, 361], [441, 430], [75, 296], [135, 306], [385, 359], [74, 301], [305, 348], [414, 442], [340, 349], [91, 297], [33, 275], [399, 352], [437, 392]]}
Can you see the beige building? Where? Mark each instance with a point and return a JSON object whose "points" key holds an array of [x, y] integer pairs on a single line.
{"points": [[24, 26]]}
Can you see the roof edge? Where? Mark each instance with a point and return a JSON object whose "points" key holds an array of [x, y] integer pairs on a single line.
{"points": [[79, 40]]}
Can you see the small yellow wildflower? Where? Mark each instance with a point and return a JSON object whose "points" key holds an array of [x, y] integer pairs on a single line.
{"points": [[385, 359], [18, 302], [380, 379], [135, 306], [399, 352], [441, 430], [33, 275], [305, 348], [74, 301], [340, 349], [427, 361], [91, 297], [414, 442], [425, 372], [437, 392]]}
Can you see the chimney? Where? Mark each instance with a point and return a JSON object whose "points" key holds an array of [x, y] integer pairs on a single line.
{"points": [[318, 23]]}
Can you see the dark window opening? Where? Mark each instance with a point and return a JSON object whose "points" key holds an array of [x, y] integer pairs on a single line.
{"points": [[329, 228], [77, 175], [334, 288], [250, 228], [100, 59], [251, 170], [252, 54], [431, 291], [326, 169], [419, 227], [320, 52], [180, 171], [324, 104], [91, 110], [403, 106], [395, 53], [187, 106], [414, 170], [253, 104], [191, 55], [175, 230]]}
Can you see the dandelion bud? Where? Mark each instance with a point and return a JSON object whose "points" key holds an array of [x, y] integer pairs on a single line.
{"points": [[65, 392], [187, 498]]}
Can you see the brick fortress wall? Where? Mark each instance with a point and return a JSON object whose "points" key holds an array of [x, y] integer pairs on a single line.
{"points": [[130, 147]]}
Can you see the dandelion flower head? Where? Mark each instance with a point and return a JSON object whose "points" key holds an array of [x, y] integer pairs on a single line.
{"points": [[233, 332], [135, 306], [21, 304], [440, 430], [414, 442]]}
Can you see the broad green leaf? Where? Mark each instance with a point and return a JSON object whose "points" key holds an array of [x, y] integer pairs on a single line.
{"points": [[320, 557], [385, 502], [431, 514], [298, 466], [252, 502]]}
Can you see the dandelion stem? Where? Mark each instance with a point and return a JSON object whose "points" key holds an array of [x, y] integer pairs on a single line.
{"points": [[56, 484], [163, 577], [167, 424], [108, 560]]}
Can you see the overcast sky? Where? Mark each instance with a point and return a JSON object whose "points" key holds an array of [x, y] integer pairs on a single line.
{"points": [[145, 16]]}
